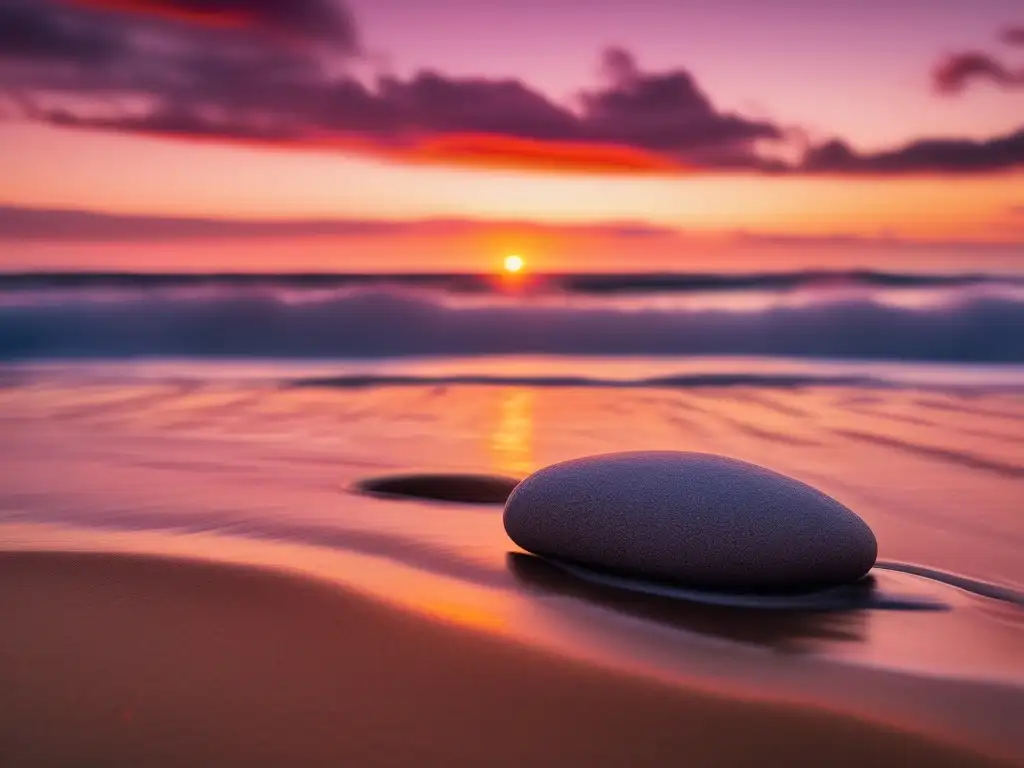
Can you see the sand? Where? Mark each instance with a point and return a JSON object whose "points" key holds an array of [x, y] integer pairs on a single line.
{"points": [[129, 660]]}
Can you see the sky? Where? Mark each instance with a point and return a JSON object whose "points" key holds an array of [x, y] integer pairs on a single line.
{"points": [[425, 135]]}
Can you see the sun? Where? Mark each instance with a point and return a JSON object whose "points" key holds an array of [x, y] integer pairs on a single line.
{"points": [[514, 263]]}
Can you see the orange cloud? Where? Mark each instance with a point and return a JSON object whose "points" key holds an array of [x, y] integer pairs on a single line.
{"points": [[469, 150], [508, 152]]}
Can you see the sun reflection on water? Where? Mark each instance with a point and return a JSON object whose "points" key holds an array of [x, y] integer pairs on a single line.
{"points": [[512, 437]]}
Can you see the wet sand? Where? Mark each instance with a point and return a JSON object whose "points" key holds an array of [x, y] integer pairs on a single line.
{"points": [[417, 634], [129, 660]]}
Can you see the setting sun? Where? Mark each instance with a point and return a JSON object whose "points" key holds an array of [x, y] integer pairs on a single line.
{"points": [[513, 263]]}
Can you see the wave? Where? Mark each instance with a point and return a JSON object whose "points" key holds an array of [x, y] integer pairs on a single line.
{"points": [[689, 381], [962, 325], [571, 283]]}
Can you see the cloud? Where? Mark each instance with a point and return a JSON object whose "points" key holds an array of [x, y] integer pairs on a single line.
{"points": [[31, 35], [75, 225], [252, 90], [667, 113], [20, 223], [81, 62], [875, 243], [320, 20], [921, 156], [1013, 36], [208, 71], [955, 72]]}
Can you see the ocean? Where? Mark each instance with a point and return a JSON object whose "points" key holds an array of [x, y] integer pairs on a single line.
{"points": [[951, 318]]}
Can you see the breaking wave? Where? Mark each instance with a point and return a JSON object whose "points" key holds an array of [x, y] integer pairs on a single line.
{"points": [[952, 323]]}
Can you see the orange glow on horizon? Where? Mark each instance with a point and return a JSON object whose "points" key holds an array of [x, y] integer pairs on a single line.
{"points": [[471, 220]]}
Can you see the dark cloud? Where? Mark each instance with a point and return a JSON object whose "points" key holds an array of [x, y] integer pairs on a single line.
{"points": [[323, 20], [214, 83], [1013, 36], [204, 70], [31, 35], [62, 59], [666, 112], [955, 72], [922, 156]]}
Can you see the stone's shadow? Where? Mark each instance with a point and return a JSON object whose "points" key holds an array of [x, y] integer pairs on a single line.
{"points": [[458, 488], [785, 631]]}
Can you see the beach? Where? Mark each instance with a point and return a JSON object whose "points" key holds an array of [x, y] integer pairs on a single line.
{"points": [[193, 575], [391, 383]]}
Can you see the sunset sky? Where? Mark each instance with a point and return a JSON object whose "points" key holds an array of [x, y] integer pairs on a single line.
{"points": [[444, 134]]}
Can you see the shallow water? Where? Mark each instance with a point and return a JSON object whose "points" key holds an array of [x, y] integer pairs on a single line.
{"points": [[234, 462]]}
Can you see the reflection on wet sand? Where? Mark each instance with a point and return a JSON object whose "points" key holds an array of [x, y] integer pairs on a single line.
{"points": [[512, 437], [782, 631]]}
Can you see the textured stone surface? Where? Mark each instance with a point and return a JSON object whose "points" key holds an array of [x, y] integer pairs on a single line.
{"points": [[704, 521]]}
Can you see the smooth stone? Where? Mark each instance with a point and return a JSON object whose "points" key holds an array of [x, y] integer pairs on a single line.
{"points": [[703, 521]]}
